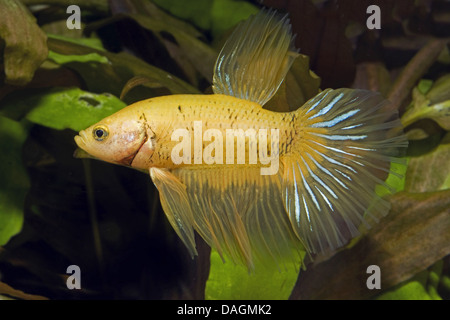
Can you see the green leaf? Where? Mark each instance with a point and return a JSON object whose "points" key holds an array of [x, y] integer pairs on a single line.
{"points": [[68, 108], [435, 104], [112, 76], [423, 286], [411, 290], [440, 91], [197, 12], [431, 171], [225, 14], [25, 43], [394, 180], [92, 42], [215, 15], [424, 86], [14, 179], [90, 57], [228, 281]]}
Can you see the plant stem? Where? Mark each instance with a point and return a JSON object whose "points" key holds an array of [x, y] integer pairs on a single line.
{"points": [[93, 217], [413, 72]]}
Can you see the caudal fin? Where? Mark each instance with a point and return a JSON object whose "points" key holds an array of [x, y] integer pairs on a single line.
{"points": [[344, 144]]}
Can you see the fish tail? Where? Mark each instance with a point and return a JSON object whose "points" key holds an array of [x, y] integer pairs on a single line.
{"points": [[345, 141]]}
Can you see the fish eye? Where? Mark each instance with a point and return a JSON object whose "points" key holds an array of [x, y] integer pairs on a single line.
{"points": [[100, 133]]}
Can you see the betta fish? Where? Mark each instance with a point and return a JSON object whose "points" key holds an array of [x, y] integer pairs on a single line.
{"points": [[254, 183]]}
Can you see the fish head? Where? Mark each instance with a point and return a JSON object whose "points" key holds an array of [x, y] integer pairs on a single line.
{"points": [[113, 140]]}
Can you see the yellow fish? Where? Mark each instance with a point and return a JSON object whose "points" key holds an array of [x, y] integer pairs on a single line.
{"points": [[254, 183]]}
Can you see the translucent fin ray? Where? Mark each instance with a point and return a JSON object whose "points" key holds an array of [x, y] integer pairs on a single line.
{"points": [[255, 59], [240, 213], [345, 142], [175, 203]]}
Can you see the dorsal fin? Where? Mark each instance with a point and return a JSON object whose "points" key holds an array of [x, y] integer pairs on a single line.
{"points": [[255, 59]]}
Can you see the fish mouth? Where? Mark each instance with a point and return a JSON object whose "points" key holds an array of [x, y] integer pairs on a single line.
{"points": [[80, 152], [80, 140]]}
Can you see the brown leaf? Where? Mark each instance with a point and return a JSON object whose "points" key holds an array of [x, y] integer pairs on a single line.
{"points": [[184, 45], [321, 36], [410, 239], [10, 291], [372, 76], [300, 85], [429, 172], [25, 43], [401, 89], [138, 81]]}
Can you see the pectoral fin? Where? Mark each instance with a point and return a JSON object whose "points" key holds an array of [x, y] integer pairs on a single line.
{"points": [[255, 59], [175, 203]]}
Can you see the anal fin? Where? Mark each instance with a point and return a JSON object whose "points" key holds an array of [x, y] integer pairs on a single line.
{"points": [[237, 211]]}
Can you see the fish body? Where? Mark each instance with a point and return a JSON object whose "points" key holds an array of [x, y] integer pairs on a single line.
{"points": [[254, 183], [160, 116]]}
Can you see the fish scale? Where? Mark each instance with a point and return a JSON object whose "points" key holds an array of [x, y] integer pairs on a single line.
{"points": [[224, 113]]}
